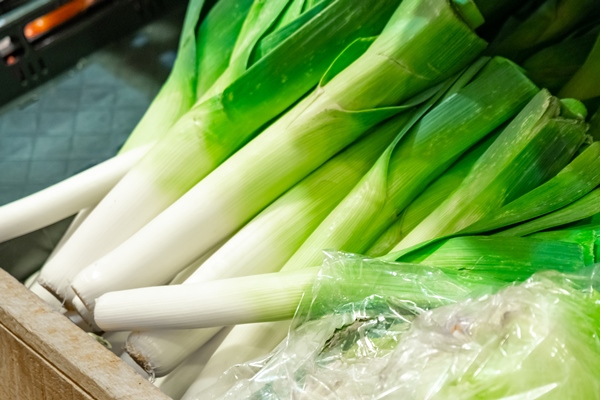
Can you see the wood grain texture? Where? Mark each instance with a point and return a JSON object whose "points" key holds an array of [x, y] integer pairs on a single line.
{"points": [[26, 375], [43, 356]]}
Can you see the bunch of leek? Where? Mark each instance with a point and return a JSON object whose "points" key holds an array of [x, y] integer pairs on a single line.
{"points": [[504, 172], [405, 146], [212, 130], [473, 110], [339, 111]]}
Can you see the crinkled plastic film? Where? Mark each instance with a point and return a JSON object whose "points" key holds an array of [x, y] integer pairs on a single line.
{"points": [[444, 338]]}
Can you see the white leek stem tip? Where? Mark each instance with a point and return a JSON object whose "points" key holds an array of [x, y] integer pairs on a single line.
{"points": [[65, 198], [146, 349], [129, 361], [242, 300], [46, 296]]}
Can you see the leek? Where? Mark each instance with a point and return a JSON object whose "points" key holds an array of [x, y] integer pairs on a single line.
{"points": [[216, 40], [139, 346], [176, 97], [248, 299], [274, 297], [576, 180], [585, 237], [272, 237], [260, 180], [176, 383], [498, 92], [549, 22], [428, 200], [506, 259], [65, 198], [489, 346], [586, 206], [528, 90], [585, 84], [75, 223], [195, 59], [249, 344], [210, 132], [535, 340], [533, 148], [260, 17], [342, 108], [555, 65]]}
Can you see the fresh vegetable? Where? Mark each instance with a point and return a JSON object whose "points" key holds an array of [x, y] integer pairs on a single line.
{"points": [[338, 112], [275, 296], [436, 127], [265, 244], [209, 133], [288, 127], [411, 162], [537, 144]]}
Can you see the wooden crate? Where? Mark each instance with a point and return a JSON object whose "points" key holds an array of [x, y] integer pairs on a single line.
{"points": [[43, 356]]}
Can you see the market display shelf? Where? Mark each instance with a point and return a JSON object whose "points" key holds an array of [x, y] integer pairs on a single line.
{"points": [[43, 356]]}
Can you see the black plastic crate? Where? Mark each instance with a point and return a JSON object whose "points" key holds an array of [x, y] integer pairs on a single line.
{"points": [[27, 63]]}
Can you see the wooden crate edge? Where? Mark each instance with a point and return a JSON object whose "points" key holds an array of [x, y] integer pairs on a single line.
{"points": [[71, 351]]}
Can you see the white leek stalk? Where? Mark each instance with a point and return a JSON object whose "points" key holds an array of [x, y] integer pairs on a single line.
{"points": [[85, 315], [139, 346], [275, 296], [256, 298], [86, 189], [46, 296], [129, 361], [75, 223], [65, 198], [268, 241], [76, 319], [193, 267]]}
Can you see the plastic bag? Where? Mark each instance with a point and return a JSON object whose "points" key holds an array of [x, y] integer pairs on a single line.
{"points": [[528, 341]]}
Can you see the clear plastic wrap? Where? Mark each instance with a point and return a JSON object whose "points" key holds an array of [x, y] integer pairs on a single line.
{"points": [[462, 338]]}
